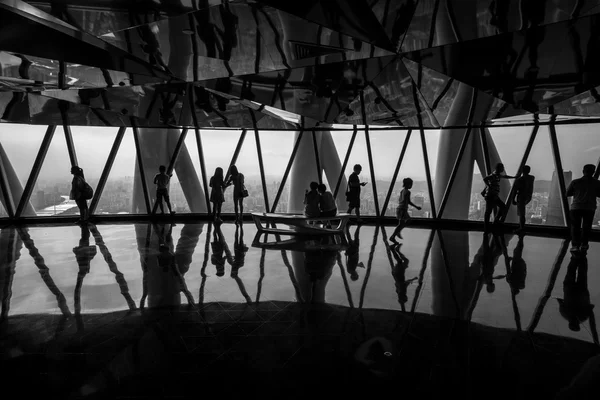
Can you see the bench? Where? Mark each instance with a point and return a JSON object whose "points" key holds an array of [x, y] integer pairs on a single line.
{"points": [[300, 224]]}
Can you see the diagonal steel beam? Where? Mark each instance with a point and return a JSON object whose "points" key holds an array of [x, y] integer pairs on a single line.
{"points": [[107, 168]]}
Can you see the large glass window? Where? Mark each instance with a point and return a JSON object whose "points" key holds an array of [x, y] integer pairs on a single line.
{"points": [[277, 147], [117, 196]]}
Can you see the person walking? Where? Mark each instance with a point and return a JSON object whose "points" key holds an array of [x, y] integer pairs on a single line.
{"points": [[81, 192], [523, 194], [584, 191], [353, 191], [492, 194], [236, 179], [402, 210], [217, 197]]}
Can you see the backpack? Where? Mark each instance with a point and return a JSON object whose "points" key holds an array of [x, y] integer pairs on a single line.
{"points": [[87, 191]]}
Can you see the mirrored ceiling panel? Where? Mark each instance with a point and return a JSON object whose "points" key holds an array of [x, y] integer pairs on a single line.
{"points": [[392, 98], [442, 22]]}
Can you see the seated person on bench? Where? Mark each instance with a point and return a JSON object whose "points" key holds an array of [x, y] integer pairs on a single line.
{"points": [[312, 200], [328, 206]]}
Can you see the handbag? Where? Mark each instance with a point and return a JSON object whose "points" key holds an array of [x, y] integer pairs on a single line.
{"points": [[244, 192]]}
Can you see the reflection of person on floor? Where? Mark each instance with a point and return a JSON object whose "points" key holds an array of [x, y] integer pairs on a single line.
{"points": [[575, 306], [217, 258], [237, 259], [398, 272], [352, 253], [518, 269], [84, 253], [171, 280], [319, 266], [491, 255], [239, 250]]}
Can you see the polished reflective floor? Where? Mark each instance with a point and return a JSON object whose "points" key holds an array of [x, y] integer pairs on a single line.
{"points": [[120, 305]]}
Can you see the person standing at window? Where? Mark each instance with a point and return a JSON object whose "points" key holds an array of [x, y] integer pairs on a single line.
{"points": [[584, 191], [216, 193], [492, 194], [353, 191], [81, 192], [236, 179], [161, 180]]}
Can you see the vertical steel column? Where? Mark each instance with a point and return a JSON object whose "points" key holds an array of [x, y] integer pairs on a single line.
{"points": [[317, 159], [373, 183], [107, 168], [287, 171], [484, 148], [8, 200], [138, 152], [70, 144], [190, 90], [236, 152], [559, 171], [35, 170], [261, 167], [395, 176], [345, 163], [428, 174], [203, 169]]}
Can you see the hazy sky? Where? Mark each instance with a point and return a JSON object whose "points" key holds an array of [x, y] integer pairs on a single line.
{"points": [[580, 144]]}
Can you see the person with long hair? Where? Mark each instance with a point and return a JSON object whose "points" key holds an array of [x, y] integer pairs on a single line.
{"points": [[80, 193], [236, 179], [217, 197]]}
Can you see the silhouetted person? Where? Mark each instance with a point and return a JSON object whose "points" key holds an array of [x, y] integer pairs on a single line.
{"points": [[353, 191], [217, 197], [239, 192], [402, 209], [575, 306], [492, 193], [161, 180], [523, 193], [81, 192], [398, 272], [584, 191], [518, 269], [352, 254], [312, 201], [328, 205]]}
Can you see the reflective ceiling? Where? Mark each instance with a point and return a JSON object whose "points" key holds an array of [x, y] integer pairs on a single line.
{"points": [[282, 64]]}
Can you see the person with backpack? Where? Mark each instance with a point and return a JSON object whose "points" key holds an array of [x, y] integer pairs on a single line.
{"points": [[81, 192]]}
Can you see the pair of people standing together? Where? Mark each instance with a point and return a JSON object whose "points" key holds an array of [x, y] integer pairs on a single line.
{"points": [[218, 184]]}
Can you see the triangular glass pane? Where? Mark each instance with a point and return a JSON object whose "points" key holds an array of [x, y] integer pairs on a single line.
{"points": [[395, 17], [190, 153], [54, 181], [546, 205], [21, 144], [219, 147], [176, 195], [3, 213], [574, 154], [413, 166], [247, 162], [92, 146], [440, 91], [118, 194], [391, 98], [386, 147], [583, 104], [277, 147]]}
